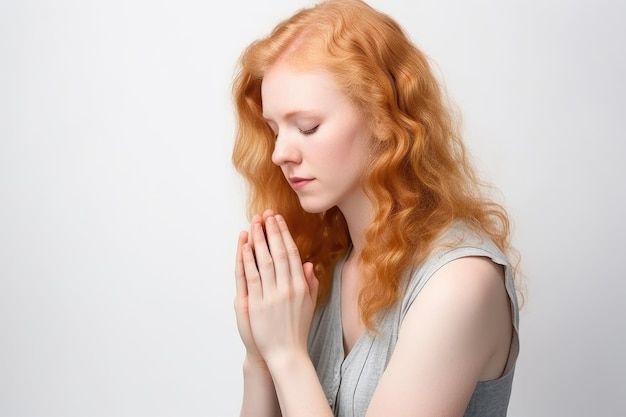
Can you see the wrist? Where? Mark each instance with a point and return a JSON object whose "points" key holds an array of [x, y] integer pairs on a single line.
{"points": [[287, 360], [254, 364]]}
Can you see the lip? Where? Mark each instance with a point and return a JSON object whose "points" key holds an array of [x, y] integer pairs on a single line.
{"points": [[298, 183]]}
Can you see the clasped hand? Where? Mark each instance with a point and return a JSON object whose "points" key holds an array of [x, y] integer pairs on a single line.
{"points": [[275, 292]]}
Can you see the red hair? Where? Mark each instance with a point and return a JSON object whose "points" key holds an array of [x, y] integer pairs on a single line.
{"points": [[419, 180]]}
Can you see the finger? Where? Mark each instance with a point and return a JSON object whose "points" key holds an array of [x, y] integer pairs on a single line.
{"points": [[255, 219], [279, 253], [311, 280], [267, 213], [240, 277], [253, 279], [293, 254], [264, 261]]}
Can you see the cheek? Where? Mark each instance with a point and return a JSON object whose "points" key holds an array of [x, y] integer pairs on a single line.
{"points": [[356, 144], [345, 149], [347, 160]]}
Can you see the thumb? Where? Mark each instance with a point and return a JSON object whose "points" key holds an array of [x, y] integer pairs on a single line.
{"points": [[311, 280]]}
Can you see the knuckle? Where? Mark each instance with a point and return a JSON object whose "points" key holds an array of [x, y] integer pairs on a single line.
{"points": [[253, 278], [299, 288], [287, 293], [293, 251], [280, 254], [266, 263]]}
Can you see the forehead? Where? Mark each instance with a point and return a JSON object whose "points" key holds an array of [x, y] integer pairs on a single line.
{"points": [[285, 89]]}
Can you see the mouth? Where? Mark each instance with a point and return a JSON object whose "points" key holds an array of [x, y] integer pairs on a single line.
{"points": [[298, 183]]}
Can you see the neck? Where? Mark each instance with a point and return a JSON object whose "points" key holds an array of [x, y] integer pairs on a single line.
{"points": [[359, 214]]}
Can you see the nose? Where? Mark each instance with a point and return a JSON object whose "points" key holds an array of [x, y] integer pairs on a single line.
{"points": [[286, 150]]}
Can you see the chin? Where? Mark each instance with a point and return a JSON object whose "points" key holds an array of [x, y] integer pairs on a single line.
{"points": [[314, 207], [313, 210]]}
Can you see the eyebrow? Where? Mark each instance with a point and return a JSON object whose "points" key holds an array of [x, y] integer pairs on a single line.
{"points": [[289, 115]]}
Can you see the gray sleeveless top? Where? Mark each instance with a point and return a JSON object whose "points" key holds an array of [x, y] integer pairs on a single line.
{"points": [[350, 382]]}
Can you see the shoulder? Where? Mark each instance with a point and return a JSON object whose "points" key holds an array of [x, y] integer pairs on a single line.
{"points": [[464, 291], [456, 333], [456, 327], [459, 252], [466, 303], [461, 285], [471, 281]]}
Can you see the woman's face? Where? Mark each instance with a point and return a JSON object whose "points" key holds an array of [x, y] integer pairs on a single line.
{"points": [[321, 139]]}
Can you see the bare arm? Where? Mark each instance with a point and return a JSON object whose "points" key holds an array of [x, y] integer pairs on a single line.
{"points": [[259, 394], [297, 386], [457, 332]]}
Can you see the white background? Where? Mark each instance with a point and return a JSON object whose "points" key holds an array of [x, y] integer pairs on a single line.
{"points": [[119, 209]]}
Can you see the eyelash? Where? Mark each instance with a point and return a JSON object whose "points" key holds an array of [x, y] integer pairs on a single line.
{"points": [[309, 131], [304, 132]]}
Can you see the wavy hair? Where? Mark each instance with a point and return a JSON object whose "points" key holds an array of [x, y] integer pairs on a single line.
{"points": [[419, 180]]}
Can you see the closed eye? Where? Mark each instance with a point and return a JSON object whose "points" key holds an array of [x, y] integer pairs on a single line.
{"points": [[309, 131]]}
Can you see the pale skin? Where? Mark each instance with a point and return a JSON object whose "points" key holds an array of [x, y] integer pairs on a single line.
{"points": [[456, 333]]}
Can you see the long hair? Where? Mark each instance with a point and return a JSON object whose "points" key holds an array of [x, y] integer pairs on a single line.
{"points": [[419, 179]]}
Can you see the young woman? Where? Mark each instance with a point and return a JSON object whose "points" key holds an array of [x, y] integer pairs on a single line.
{"points": [[375, 278]]}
